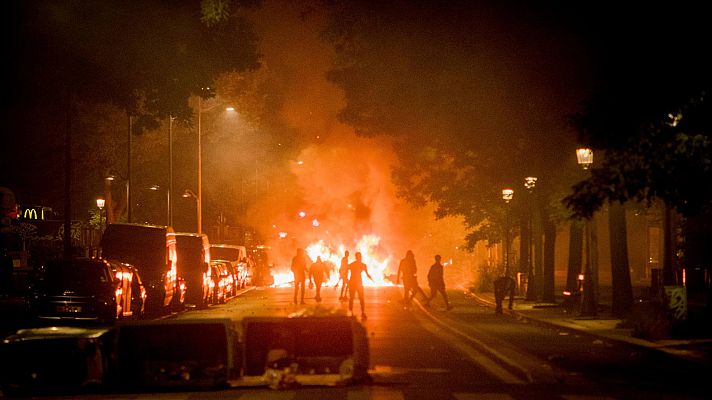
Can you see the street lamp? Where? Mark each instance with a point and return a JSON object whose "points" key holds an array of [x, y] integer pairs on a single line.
{"points": [[507, 195], [100, 203], [584, 156], [199, 195], [589, 307], [189, 193], [529, 184]]}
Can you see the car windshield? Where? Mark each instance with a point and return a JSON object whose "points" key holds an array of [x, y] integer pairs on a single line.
{"points": [[224, 253]]}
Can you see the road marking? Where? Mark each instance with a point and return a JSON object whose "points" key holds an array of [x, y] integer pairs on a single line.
{"points": [[375, 393], [384, 370], [435, 327], [482, 396], [266, 394]]}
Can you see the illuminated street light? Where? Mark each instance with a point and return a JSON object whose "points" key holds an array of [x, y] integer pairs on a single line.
{"points": [[584, 156], [530, 182], [589, 306], [507, 195]]}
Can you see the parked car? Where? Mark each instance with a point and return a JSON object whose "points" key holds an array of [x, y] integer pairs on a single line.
{"points": [[85, 289], [152, 250], [237, 256], [130, 291], [223, 281], [194, 255]]}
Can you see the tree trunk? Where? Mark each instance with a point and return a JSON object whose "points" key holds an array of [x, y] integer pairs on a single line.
{"points": [[593, 226], [523, 245], [622, 300], [575, 256], [538, 253], [549, 286], [669, 250]]}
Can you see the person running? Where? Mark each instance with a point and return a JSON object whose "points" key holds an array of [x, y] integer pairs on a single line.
{"points": [[317, 271], [409, 271], [344, 276], [299, 269], [356, 268], [437, 282]]}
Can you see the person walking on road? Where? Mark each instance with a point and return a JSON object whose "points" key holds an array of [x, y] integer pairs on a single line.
{"points": [[344, 276], [317, 272], [502, 287], [299, 269], [356, 268], [437, 282], [409, 272]]}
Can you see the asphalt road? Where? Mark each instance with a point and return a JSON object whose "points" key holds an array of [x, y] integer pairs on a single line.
{"points": [[465, 353]]}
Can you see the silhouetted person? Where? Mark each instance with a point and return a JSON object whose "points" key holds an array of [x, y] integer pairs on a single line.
{"points": [[299, 269], [356, 268], [344, 276], [503, 286], [409, 271], [436, 281], [317, 273]]}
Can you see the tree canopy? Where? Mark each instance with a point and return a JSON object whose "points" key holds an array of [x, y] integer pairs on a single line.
{"points": [[145, 57], [475, 96], [650, 114]]}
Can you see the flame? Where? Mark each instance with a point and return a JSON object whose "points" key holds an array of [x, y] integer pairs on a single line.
{"points": [[332, 255]]}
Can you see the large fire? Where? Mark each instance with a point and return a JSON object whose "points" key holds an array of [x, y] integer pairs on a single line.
{"points": [[332, 255]]}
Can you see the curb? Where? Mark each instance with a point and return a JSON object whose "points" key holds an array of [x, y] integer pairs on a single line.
{"points": [[640, 344]]}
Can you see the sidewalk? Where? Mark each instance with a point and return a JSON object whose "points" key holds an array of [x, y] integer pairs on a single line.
{"points": [[604, 326]]}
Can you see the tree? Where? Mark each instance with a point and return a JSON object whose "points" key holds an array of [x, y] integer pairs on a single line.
{"points": [[146, 58], [650, 117], [468, 115]]}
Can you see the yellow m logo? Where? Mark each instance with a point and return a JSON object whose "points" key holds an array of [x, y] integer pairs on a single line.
{"points": [[30, 213]]}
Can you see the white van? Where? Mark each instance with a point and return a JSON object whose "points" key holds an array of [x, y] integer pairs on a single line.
{"points": [[237, 255]]}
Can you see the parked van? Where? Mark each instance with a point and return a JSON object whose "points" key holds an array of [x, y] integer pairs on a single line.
{"points": [[152, 250], [237, 255], [194, 267]]}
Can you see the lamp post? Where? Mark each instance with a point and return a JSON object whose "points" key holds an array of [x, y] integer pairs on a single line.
{"points": [[100, 203], [589, 306], [189, 193], [169, 221], [507, 195], [199, 195], [529, 184]]}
